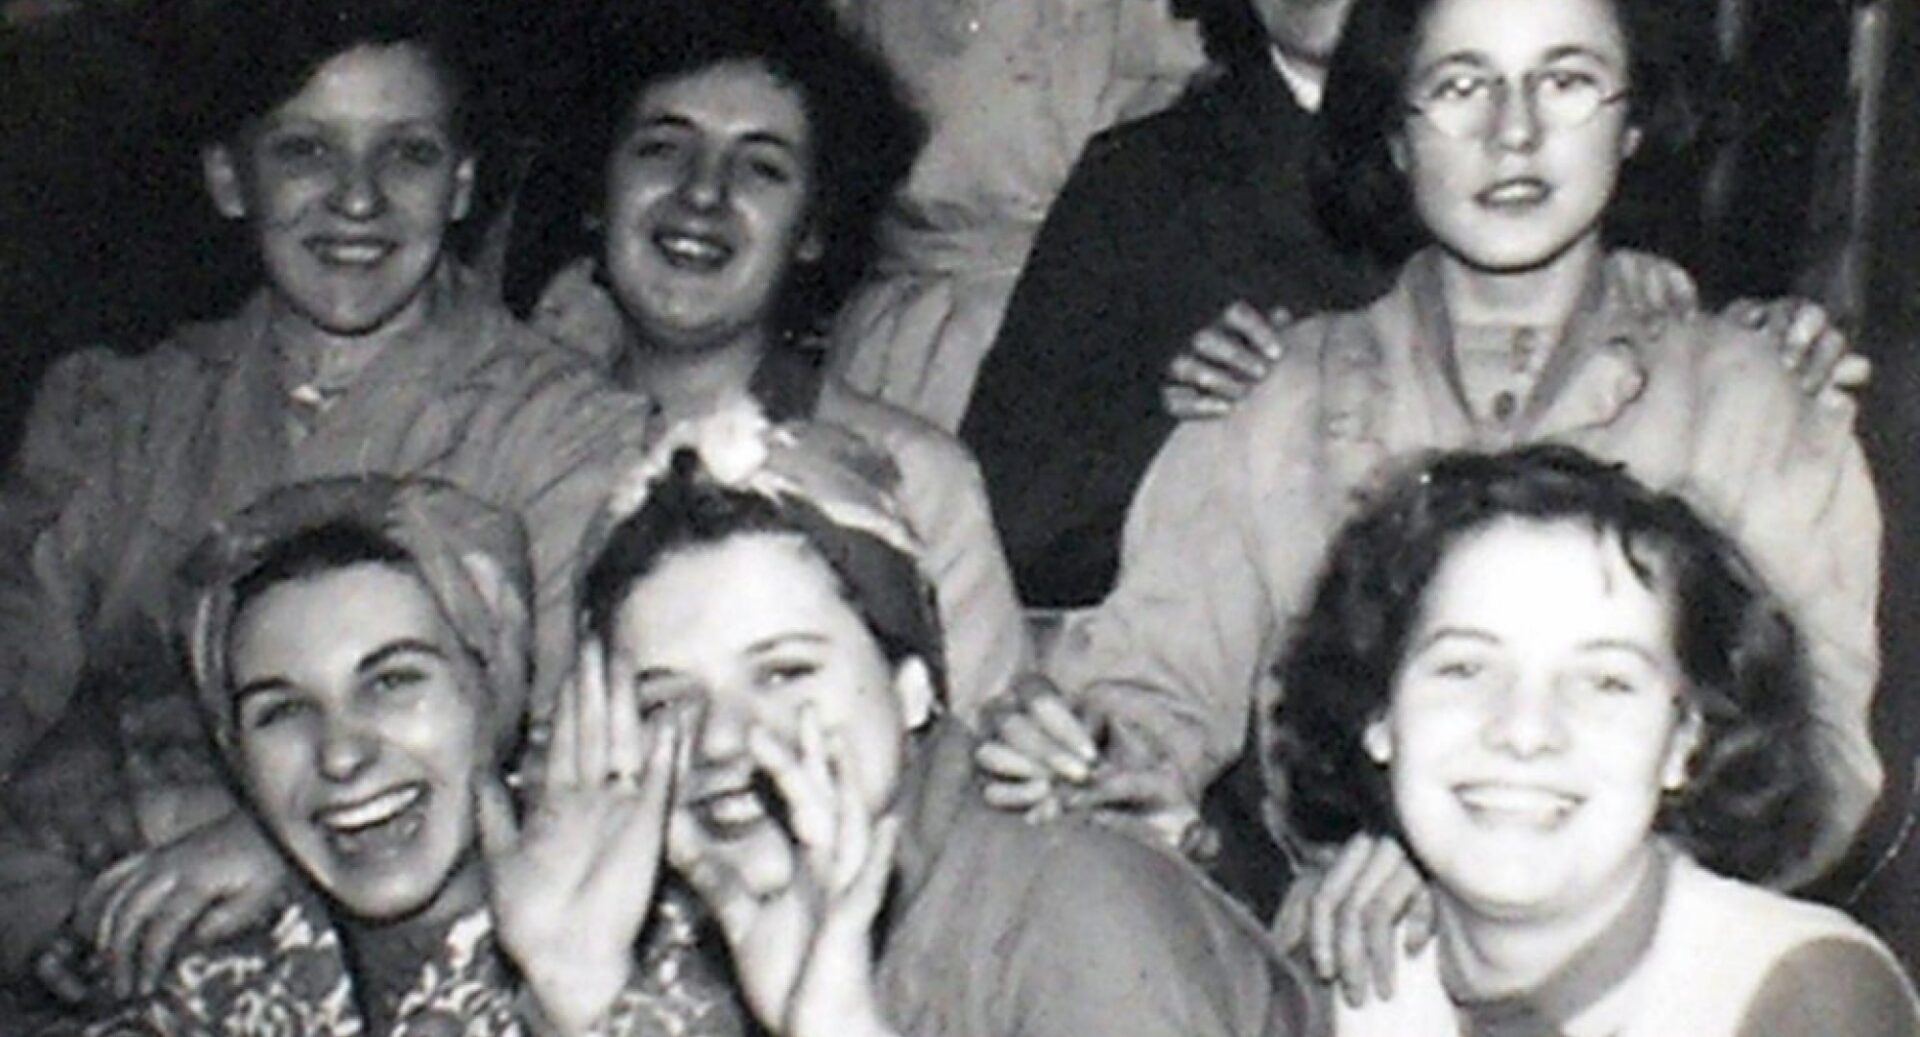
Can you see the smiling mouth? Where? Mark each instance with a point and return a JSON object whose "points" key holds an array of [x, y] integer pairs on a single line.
{"points": [[734, 809], [353, 252], [1516, 193], [1530, 806], [379, 824], [699, 252]]}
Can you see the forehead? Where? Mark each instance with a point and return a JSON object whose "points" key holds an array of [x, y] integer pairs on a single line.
{"points": [[742, 94], [333, 616], [1519, 31], [724, 597], [1545, 583], [387, 82]]}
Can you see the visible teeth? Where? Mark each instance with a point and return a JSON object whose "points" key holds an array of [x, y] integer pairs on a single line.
{"points": [[736, 808], [1516, 192], [1517, 801], [368, 813], [358, 253], [693, 249]]}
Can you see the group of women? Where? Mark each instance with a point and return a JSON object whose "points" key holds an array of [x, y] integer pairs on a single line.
{"points": [[379, 663]]}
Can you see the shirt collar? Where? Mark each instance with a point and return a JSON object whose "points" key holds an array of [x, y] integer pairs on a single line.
{"points": [[1308, 86]]}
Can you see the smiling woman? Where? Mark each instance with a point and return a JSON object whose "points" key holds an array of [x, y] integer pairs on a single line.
{"points": [[1580, 708]]}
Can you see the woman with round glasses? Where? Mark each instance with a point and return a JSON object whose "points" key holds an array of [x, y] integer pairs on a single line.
{"points": [[1489, 137]]}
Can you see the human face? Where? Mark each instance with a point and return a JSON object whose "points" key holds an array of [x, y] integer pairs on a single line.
{"points": [[1524, 194], [1538, 716], [707, 201], [1304, 29], [357, 732], [750, 633], [349, 187]]}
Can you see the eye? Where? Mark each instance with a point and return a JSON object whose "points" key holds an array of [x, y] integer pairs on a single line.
{"points": [[1569, 81], [1611, 683], [1459, 669], [294, 148], [653, 147], [260, 712], [396, 678], [1458, 89], [424, 152], [774, 673], [771, 170]]}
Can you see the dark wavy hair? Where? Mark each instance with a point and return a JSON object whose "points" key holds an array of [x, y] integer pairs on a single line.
{"points": [[240, 59], [865, 134], [686, 509], [1753, 795], [1362, 197]]}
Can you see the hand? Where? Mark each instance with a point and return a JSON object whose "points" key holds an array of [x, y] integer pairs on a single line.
{"points": [[1812, 348], [211, 883], [1225, 361], [1348, 915], [1136, 789], [1651, 285], [1035, 741], [572, 888], [801, 951]]}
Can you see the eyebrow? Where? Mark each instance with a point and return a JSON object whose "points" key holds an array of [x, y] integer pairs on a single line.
{"points": [[1614, 644], [768, 644], [1480, 59], [1446, 633], [674, 120]]}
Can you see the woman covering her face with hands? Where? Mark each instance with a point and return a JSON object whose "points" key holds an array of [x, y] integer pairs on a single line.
{"points": [[771, 674]]}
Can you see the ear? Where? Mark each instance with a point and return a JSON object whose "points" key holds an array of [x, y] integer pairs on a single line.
{"points": [[1630, 142], [463, 188], [1377, 740], [1680, 748], [1397, 150], [223, 181], [813, 244], [913, 687]]}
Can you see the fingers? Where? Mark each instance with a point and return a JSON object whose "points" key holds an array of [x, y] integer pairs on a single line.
{"points": [[627, 748], [1023, 733], [1422, 920], [145, 905], [1259, 331], [592, 762], [1183, 403], [1059, 723], [563, 748], [1852, 372], [1323, 915], [60, 968], [805, 786], [1205, 377], [172, 920], [1387, 893]]}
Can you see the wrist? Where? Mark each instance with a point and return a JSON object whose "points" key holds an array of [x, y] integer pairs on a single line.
{"points": [[572, 997]]}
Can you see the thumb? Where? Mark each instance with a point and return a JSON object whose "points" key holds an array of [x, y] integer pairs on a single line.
{"points": [[493, 818]]}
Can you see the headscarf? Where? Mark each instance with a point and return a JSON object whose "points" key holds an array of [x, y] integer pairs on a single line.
{"points": [[471, 557], [830, 486]]}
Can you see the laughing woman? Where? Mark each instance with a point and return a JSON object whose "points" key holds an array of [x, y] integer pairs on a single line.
{"points": [[738, 157], [1587, 718], [337, 138]]}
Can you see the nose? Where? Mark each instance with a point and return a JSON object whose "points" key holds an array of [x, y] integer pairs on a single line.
{"points": [[347, 747], [357, 191], [1516, 119], [1528, 721], [722, 733], [703, 184]]}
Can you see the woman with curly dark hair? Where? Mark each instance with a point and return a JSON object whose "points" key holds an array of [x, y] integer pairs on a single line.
{"points": [[1580, 708], [731, 164]]}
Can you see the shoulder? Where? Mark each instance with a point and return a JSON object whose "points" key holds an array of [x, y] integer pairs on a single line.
{"points": [[1837, 985], [911, 439], [1161, 149]]}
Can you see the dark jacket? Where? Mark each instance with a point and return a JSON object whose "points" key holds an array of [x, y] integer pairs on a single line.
{"points": [[1164, 222]]}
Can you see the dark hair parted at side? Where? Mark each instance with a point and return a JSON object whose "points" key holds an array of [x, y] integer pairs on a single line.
{"points": [[1360, 194], [317, 551], [243, 58], [865, 135], [1752, 795], [685, 509]]}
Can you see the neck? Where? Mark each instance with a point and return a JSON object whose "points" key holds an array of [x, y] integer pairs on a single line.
{"points": [[689, 382], [385, 956], [300, 336], [1545, 296], [1497, 956]]}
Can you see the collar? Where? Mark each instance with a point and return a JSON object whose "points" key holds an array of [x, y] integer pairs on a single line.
{"points": [[1596, 368], [1594, 971], [1308, 86]]}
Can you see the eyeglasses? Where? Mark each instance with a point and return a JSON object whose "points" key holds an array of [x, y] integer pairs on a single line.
{"points": [[1470, 106]]}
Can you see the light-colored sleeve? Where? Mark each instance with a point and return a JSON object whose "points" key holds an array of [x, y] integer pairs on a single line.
{"points": [[1789, 480], [1834, 988], [1178, 653], [984, 629]]}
